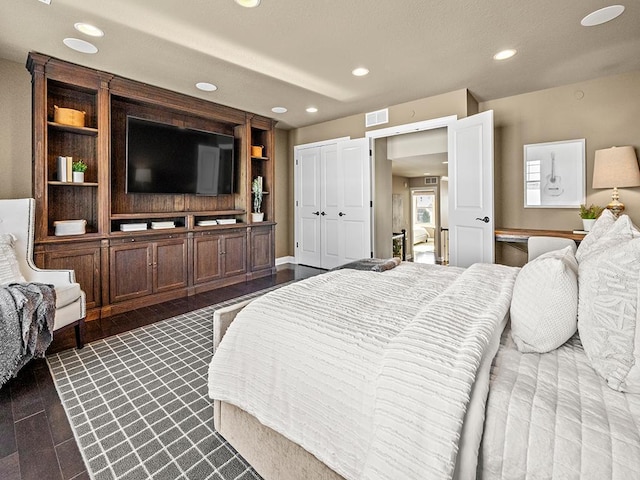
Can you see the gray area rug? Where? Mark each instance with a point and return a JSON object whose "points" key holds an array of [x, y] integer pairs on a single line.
{"points": [[138, 405]]}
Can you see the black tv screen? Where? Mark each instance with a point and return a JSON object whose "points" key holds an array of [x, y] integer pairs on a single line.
{"points": [[164, 158]]}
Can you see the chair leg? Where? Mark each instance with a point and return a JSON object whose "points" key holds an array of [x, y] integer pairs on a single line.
{"points": [[80, 334]]}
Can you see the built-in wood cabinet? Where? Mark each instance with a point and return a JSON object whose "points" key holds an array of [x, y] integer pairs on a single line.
{"points": [[219, 255], [262, 251], [141, 267], [123, 270]]}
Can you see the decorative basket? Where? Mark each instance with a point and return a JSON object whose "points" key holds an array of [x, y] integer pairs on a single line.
{"points": [[68, 116], [70, 227], [256, 150]]}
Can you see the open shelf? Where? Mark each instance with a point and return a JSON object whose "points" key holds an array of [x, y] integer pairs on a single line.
{"points": [[73, 184], [71, 129]]}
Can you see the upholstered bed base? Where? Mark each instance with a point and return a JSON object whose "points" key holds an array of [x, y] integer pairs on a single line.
{"points": [[269, 453], [272, 455]]}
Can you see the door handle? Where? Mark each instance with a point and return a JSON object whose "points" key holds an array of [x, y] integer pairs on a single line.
{"points": [[485, 219], [341, 214], [322, 213], [315, 213]]}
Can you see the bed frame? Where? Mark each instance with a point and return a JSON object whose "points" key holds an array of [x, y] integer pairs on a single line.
{"points": [[272, 455]]}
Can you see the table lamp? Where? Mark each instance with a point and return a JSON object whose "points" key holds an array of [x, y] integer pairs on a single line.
{"points": [[616, 167]]}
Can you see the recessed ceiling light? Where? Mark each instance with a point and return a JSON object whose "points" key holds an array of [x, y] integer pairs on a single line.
{"points": [[602, 16], [445, 163], [248, 3], [206, 87], [428, 173], [48, 2], [312, 109], [504, 54], [88, 29], [279, 110], [80, 45], [360, 72]]}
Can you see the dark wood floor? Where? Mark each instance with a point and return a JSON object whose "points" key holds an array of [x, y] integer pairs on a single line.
{"points": [[36, 441]]}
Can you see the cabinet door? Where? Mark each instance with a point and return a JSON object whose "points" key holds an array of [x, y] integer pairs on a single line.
{"points": [[85, 262], [207, 255], [235, 253], [261, 248], [170, 264], [131, 271]]}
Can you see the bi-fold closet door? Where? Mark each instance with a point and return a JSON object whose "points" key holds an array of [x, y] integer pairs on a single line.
{"points": [[333, 203]]}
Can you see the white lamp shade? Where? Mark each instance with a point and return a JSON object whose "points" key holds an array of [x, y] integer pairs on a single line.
{"points": [[616, 167]]}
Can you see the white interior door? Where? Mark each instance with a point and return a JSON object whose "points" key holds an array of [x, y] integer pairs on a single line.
{"points": [[307, 183], [333, 203], [330, 201], [471, 208], [354, 191]]}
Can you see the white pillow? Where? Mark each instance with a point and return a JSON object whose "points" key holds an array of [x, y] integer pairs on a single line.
{"points": [[602, 225], [609, 307], [544, 306], [9, 268]]}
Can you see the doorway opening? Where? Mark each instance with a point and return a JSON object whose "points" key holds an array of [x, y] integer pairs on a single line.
{"points": [[424, 225]]}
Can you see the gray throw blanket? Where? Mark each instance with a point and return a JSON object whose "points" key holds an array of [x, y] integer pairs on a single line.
{"points": [[27, 311]]}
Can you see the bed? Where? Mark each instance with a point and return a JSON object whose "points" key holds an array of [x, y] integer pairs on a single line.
{"points": [[415, 372]]}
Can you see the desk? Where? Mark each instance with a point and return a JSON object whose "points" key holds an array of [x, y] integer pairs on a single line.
{"points": [[520, 235]]}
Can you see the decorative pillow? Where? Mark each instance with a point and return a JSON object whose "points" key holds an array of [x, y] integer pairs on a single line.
{"points": [[609, 313], [544, 306], [603, 224], [386, 265], [9, 268]]}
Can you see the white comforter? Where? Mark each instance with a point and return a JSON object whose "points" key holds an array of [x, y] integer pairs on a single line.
{"points": [[371, 372], [553, 415]]}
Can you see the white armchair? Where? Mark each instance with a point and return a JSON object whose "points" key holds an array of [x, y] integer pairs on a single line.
{"points": [[536, 246], [17, 218]]}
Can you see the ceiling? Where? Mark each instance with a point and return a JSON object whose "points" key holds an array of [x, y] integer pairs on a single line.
{"points": [[297, 54]]}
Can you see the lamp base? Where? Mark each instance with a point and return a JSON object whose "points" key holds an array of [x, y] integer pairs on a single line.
{"points": [[616, 206]]}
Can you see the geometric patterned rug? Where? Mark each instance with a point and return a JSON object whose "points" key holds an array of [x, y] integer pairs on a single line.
{"points": [[137, 402]]}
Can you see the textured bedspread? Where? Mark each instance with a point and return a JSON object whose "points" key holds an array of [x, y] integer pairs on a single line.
{"points": [[349, 363], [553, 415]]}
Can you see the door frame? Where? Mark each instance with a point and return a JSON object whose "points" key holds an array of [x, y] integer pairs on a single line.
{"points": [[401, 130]]}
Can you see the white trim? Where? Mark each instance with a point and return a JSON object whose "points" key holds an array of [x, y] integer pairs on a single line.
{"points": [[320, 143], [283, 260], [412, 127]]}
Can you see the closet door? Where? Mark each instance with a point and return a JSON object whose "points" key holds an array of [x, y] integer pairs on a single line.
{"points": [[333, 203], [331, 199], [308, 206]]}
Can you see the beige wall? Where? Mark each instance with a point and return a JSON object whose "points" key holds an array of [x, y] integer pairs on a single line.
{"points": [[382, 202], [283, 195], [15, 130], [453, 103], [604, 112]]}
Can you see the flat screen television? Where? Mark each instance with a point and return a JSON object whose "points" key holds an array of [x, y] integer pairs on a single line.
{"points": [[163, 158]]}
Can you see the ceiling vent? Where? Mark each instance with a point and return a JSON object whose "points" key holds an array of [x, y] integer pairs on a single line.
{"points": [[378, 117], [430, 180]]}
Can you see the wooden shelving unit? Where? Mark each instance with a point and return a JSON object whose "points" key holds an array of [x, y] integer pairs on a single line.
{"points": [[178, 261]]}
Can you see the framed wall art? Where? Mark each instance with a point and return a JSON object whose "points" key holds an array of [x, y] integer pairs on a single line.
{"points": [[554, 174]]}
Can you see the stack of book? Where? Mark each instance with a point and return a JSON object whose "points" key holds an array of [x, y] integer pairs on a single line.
{"points": [[226, 221], [132, 227], [64, 169], [160, 225], [207, 223]]}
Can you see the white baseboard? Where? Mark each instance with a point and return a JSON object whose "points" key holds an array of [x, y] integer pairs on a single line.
{"points": [[283, 260]]}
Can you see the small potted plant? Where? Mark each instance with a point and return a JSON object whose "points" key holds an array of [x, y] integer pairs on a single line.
{"points": [[78, 168], [256, 189], [589, 215]]}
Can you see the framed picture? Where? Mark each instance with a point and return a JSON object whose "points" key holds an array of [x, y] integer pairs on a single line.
{"points": [[554, 174]]}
